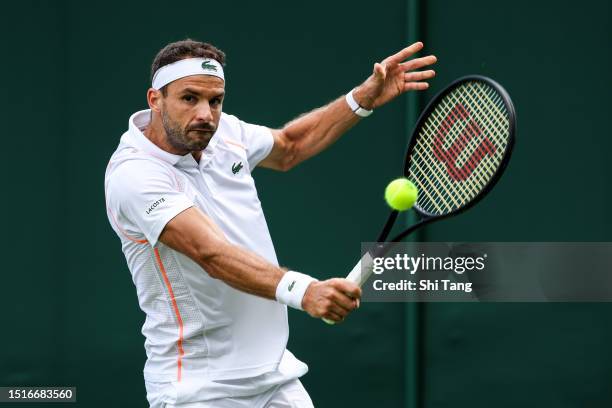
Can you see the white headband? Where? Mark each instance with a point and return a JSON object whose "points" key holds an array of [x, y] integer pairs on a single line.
{"points": [[186, 67]]}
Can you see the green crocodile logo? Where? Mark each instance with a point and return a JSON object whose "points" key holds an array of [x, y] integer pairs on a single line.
{"points": [[206, 65], [291, 286], [236, 167]]}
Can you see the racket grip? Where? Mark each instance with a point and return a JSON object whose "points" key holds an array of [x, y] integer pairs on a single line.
{"points": [[362, 271], [358, 275]]}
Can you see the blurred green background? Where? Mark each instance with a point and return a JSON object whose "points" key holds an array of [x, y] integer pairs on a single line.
{"points": [[75, 71]]}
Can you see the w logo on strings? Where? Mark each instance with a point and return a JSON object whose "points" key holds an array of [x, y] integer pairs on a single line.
{"points": [[450, 155]]}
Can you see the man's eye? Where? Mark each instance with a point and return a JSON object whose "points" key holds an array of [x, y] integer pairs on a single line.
{"points": [[215, 101], [188, 98]]}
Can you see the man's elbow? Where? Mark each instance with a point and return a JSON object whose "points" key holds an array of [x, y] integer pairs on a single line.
{"points": [[288, 154], [286, 164], [293, 155]]}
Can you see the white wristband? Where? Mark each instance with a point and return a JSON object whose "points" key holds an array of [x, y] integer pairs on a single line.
{"points": [[290, 290], [357, 110]]}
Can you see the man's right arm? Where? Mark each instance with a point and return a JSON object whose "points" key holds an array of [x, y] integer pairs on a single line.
{"points": [[194, 234]]}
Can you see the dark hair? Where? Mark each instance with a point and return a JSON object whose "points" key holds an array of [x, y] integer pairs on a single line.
{"points": [[179, 50]]}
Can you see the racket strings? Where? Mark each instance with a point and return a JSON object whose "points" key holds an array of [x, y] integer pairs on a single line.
{"points": [[494, 116], [458, 196], [475, 183], [429, 179], [470, 148], [453, 153], [458, 153], [459, 148], [464, 153], [498, 130], [468, 151], [429, 127], [446, 198]]}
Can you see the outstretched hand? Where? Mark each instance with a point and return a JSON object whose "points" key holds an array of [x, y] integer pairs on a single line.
{"points": [[393, 76]]}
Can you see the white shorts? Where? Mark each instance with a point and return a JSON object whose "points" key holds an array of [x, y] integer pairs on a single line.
{"points": [[288, 395]]}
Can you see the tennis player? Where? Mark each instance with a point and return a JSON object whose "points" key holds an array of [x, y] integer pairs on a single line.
{"points": [[181, 198]]}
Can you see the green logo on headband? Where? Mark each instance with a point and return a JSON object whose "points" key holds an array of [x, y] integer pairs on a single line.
{"points": [[206, 65]]}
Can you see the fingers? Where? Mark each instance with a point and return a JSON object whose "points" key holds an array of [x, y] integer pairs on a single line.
{"points": [[336, 318], [380, 71], [345, 302], [415, 86], [339, 310], [418, 63], [346, 287], [411, 80], [329, 309], [345, 295], [419, 75], [403, 54]]}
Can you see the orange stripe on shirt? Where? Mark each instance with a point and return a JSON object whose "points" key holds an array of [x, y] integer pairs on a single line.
{"points": [[229, 141], [123, 232], [176, 312]]}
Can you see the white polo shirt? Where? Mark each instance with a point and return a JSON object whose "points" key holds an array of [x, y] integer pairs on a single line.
{"points": [[200, 333]]}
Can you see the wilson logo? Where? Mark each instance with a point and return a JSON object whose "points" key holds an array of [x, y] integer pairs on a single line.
{"points": [[207, 66], [236, 167], [450, 155], [155, 204]]}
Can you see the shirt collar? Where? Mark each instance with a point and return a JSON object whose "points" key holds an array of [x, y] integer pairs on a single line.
{"points": [[139, 121]]}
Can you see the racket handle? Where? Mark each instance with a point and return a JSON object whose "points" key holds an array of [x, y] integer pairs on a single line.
{"points": [[358, 275], [362, 271]]}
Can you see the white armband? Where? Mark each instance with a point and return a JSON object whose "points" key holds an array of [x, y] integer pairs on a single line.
{"points": [[291, 288], [357, 110]]}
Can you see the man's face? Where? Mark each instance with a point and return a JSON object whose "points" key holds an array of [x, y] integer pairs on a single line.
{"points": [[191, 110]]}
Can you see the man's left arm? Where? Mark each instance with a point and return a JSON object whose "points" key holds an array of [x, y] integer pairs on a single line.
{"points": [[312, 132]]}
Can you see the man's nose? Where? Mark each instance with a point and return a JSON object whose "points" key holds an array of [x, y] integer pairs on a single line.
{"points": [[204, 113]]}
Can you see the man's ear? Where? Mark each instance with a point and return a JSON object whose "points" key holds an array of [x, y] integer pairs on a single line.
{"points": [[154, 99]]}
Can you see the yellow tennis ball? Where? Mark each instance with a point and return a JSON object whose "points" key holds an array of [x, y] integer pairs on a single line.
{"points": [[401, 194]]}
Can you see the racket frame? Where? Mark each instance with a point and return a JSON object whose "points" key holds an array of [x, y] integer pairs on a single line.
{"points": [[425, 217]]}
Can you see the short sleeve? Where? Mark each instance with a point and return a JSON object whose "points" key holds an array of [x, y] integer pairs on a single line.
{"points": [[145, 196], [258, 140]]}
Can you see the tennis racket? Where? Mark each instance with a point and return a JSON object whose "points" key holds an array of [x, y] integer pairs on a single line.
{"points": [[459, 149]]}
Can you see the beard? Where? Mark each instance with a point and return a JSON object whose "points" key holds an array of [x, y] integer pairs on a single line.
{"points": [[193, 138]]}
